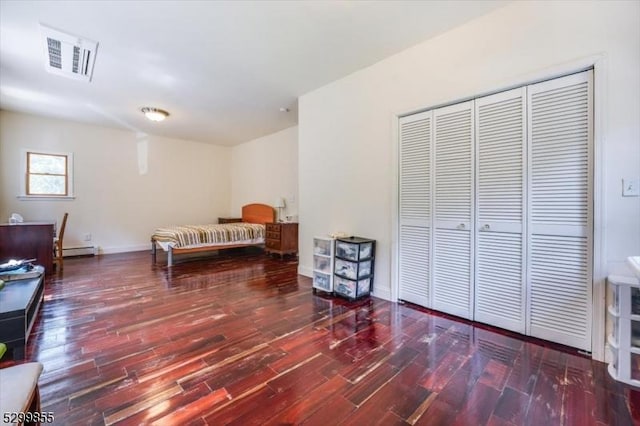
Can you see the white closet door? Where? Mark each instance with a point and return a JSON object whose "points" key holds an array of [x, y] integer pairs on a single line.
{"points": [[414, 257], [453, 222], [560, 209], [500, 292]]}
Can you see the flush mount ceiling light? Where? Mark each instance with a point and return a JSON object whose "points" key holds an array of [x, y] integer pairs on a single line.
{"points": [[154, 114]]}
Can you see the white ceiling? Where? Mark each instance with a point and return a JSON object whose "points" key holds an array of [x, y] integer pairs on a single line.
{"points": [[222, 69]]}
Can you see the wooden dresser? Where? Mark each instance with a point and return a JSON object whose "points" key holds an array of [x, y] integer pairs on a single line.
{"points": [[28, 240], [281, 238]]}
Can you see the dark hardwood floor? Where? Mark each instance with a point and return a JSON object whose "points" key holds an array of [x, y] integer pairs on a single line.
{"points": [[239, 338]]}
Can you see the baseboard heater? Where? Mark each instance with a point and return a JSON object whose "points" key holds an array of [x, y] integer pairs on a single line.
{"points": [[79, 251]]}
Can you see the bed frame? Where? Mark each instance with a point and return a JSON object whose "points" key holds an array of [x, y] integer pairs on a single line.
{"points": [[251, 213]]}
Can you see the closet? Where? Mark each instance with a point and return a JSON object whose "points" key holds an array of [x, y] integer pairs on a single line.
{"points": [[495, 209]]}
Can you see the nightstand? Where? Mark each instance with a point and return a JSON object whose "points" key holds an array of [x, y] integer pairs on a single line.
{"points": [[229, 219], [281, 238]]}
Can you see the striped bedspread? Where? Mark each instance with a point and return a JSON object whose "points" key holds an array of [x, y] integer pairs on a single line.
{"points": [[202, 235]]}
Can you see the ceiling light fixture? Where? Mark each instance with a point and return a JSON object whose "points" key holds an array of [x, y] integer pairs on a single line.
{"points": [[154, 114]]}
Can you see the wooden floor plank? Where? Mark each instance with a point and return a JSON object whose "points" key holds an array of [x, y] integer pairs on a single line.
{"points": [[306, 407], [512, 407]]}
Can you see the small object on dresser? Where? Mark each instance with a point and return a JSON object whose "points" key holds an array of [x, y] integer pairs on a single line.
{"points": [[15, 218], [279, 204]]}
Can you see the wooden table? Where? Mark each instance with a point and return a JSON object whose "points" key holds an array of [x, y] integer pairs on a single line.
{"points": [[28, 240]]}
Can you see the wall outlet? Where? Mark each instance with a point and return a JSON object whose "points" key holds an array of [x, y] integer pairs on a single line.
{"points": [[630, 187], [87, 237]]}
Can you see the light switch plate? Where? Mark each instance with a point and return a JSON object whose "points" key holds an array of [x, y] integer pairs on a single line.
{"points": [[630, 187]]}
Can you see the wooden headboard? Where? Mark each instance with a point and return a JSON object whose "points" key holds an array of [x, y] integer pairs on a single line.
{"points": [[258, 213]]}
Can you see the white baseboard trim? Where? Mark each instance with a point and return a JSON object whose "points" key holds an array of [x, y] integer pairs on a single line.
{"points": [[382, 293], [124, 249], [79, 251], [305, 270]]}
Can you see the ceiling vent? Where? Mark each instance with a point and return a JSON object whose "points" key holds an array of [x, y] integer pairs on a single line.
{"points": [[68, 55]]}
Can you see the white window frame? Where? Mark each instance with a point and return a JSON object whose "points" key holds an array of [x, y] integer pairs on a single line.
{"points": [[25, 167]]}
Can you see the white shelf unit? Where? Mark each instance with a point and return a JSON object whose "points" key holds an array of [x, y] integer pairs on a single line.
{"points": [[323, 254], [624, 338]]}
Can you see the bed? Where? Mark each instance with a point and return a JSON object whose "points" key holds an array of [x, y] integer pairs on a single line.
{"points": [[182, 239]]}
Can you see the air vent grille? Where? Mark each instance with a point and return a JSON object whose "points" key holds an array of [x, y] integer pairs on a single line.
{"points": [[68, 55], [55, 53]]}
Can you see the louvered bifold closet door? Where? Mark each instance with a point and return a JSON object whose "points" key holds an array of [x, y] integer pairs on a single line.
{"points": [[560, 209], [453, 221], [414, 246], [500, 293]]}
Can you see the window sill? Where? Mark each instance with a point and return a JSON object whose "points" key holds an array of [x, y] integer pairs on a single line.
{"points": [[46, 197]]}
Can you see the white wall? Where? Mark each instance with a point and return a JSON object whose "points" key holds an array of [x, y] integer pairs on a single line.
{"points": [[187, 182], [347, 157], [264, 169]]}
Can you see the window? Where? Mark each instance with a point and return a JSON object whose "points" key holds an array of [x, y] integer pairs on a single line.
{"points": [[48, 175]]}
